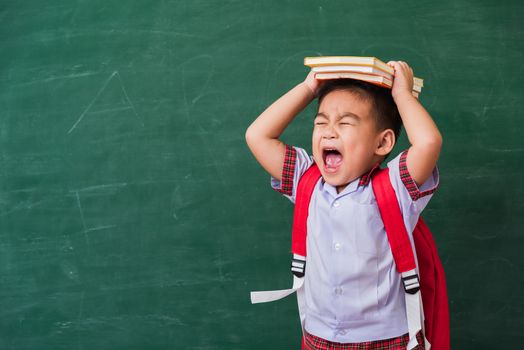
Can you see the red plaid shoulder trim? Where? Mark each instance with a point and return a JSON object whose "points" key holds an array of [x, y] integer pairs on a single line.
{"points": [[288, 171], [400, 343], [408, 181]]}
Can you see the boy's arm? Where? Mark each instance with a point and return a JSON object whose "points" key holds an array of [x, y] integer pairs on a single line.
{"points": [[423, 134], [262, 135]]}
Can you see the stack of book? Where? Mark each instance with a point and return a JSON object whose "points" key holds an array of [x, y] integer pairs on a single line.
{"points": [[369, 69]]}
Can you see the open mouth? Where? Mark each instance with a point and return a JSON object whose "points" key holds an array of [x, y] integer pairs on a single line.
{"points": [[332, 159]]}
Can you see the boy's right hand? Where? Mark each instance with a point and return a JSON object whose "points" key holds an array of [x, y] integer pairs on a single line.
{"points": [[313, 83]]}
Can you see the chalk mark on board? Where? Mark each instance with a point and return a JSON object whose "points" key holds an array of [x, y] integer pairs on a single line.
{"points": [[117, 109], [102, 89], [175, 197], [99, 228], [81, 210], [83, 219], [101, 187], [19, 309], [203, 87], [484, 238], [497, 84], [22, 206], [506, 150], [127, 97], [58, 77], [92, 102], [487, 101], [173, 34]]}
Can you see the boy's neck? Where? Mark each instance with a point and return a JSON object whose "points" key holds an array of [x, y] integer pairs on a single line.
{"points": [[341, 188]]}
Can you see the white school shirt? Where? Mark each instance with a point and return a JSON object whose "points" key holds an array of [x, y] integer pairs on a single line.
{"points": [[353, 292]]}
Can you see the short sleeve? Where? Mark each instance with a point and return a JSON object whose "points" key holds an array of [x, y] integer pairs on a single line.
{"points": [[412, 199], [296, 162]]}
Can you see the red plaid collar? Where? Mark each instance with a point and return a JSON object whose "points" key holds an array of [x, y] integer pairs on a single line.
{"points": [[364, 179]]}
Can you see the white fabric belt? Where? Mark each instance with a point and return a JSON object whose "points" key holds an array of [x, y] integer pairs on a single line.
{"points": [[298, 286], [272, 295]]}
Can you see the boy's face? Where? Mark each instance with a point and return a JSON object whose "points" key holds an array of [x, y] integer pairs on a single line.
{"points": [[345, 138]]}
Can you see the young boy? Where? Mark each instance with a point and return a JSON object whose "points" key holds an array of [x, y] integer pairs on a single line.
{"points": [[353, 294]]}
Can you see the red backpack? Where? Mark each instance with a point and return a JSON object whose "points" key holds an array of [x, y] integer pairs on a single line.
{"points": [[430, 287]]}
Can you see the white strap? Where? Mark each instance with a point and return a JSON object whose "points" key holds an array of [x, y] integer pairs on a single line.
{"points": [[413, 311], [272, 295], [427, 344], [415, 314], [301, 301], [298, 265]]}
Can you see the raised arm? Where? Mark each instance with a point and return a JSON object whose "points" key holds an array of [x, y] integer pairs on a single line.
{"points": [[423, 134], [263, 134]]}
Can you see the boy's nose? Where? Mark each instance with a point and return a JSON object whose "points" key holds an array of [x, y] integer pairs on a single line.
{"points": [[329, 133]]}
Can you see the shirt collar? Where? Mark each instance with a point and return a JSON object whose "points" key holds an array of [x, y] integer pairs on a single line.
{"points": [[364, 179]]}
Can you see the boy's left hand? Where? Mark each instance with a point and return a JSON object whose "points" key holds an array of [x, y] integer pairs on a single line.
{"points": [[403, 78], [423, 134]]}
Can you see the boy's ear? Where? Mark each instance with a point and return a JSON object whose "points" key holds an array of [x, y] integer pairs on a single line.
{"points": [[385, 142]]}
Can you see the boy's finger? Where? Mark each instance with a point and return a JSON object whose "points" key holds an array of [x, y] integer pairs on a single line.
{"points": [[396, 65]]}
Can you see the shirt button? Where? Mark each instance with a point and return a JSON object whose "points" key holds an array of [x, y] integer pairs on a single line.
{"points": [[336, 204], [338, 290], [342, 332], [337, 246]]}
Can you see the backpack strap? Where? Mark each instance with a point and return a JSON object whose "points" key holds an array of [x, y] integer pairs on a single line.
{"points": [[303, 196], [402, 251], [393, 223]]}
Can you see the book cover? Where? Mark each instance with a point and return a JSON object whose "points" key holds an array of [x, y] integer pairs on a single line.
{"points": [[374, 79], [352, 68], [347, 60]]}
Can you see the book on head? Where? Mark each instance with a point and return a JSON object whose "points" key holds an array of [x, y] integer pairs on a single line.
{"points": [[331, 67]]}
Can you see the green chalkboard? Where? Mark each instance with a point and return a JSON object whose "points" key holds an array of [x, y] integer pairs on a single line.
{"points": [[132, 215]]}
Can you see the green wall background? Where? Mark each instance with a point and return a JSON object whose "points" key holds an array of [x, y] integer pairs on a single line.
{"points": [[132, 215]]}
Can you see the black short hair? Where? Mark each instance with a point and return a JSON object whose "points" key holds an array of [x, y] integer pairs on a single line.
{"points": [[384, 109]]}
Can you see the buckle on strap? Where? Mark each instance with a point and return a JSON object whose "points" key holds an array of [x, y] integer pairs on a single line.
{"points": [[298, 267], [411, 283]]}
